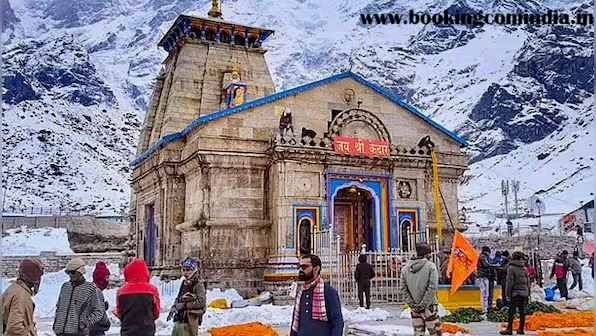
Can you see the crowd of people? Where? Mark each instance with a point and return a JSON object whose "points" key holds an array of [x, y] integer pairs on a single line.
{"points": [[81, 309]]}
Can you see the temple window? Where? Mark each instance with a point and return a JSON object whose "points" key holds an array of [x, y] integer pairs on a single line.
{"points": [[239, 40], [225, 37], [210, 34], [252, 39], [195, 33]]}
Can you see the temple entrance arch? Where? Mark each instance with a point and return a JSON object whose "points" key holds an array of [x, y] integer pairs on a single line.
{"points": [[356, 217]]}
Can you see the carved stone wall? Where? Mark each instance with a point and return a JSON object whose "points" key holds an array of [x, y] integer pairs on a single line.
{"points": [[192, 85]]}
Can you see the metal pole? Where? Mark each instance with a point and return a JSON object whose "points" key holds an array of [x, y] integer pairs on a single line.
{"points": [[506, 201], [515, 191], [435, 161]]}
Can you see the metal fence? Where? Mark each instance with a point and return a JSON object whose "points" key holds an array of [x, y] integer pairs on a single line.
{"points": [[53, 211], [339, 268]]}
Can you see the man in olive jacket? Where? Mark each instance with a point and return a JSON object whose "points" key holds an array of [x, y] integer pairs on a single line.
{"points": [[419, 282], [17, 300], [191, 302]]}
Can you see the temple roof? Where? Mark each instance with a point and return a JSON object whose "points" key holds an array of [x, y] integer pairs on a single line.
{"points": [[278, 95], [212, 22]]}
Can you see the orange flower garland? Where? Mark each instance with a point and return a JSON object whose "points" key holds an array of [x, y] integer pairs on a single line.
{"points": [[574, 332], [453, 328], [540, 321], [246, 329]]}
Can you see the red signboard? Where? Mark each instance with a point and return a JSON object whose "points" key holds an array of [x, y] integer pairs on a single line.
{"points": [[356, 146]]}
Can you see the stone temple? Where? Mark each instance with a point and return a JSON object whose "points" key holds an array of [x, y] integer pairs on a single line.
{"points": [[231, 171]]}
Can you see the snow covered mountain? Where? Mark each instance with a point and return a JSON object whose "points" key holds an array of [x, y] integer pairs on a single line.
{"points": [[78, 73]]}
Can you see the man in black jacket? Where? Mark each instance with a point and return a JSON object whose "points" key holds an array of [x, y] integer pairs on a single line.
{"points": [[364, 273], [486, 279], [502, 275]]}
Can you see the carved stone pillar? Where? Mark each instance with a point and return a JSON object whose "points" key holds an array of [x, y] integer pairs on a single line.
{"points": [[173, 192]]}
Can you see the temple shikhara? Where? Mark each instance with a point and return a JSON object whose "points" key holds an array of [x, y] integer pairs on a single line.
{"points": [[235, 173]]}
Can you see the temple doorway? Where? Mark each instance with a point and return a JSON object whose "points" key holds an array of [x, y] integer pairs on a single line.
{"points": [[305, 236], [353, 217], [406, 234]]}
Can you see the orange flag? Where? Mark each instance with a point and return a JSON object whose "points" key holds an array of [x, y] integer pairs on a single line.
{"points": [[462, 262]]}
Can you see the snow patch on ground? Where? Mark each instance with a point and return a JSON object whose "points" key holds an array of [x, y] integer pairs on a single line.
{"points": [[391, 330], [25, 241]]}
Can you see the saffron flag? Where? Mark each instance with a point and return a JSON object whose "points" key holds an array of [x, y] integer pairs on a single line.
{"points": [[462, 261]]}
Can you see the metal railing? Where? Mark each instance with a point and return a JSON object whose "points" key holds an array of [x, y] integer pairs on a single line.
{"points": [[55, 211], [339, 269]]}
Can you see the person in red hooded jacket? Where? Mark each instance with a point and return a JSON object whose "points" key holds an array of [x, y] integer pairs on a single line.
{"points": [[137, 302]]}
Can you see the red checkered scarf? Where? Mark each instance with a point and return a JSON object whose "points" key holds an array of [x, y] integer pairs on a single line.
{"points": [[318, 302]]}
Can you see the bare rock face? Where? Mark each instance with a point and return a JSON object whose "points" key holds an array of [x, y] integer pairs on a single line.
{"points": [[89, 234]]}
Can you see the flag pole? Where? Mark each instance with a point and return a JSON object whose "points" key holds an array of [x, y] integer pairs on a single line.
{"points": [[436, 194]]}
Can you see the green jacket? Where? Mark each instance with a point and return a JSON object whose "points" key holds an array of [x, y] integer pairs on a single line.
{"points": [[419, 280]]}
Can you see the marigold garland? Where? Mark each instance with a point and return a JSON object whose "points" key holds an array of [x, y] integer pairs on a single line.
{"points": [[220, 303], [540, 321], [246, 329], [453, 328], [574, 332]]}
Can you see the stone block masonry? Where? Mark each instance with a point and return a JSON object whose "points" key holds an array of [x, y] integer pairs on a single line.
{"points": [[54, 262]]}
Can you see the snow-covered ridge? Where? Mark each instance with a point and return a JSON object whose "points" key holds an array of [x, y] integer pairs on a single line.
{"points": [[78, 75]]}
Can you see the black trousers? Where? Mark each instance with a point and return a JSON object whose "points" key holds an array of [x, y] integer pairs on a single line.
{"points": [[503, 296], [364, 290], [577, 279], [519, 303], [562, 287]]}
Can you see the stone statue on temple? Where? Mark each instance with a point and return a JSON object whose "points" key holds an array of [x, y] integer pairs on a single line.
{"points": [[235, 91]]}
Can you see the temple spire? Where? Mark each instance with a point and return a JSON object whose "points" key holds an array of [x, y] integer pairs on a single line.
{"points": [[215, 12]]}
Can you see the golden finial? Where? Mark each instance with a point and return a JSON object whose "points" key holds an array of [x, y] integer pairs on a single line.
{"points": [[215, 12]]}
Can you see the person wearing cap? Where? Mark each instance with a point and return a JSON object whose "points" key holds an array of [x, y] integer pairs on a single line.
{"points": [[77, 308], [191, 301], [137, 302], [560, 268], [101, 279], [517, 291], [419, 281], [17, 300], [486, 270]]}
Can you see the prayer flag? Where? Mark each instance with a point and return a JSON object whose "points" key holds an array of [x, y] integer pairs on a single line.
{"points": [[462, 261]]}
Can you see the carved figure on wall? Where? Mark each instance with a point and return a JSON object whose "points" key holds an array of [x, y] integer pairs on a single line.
{"points": [[308, 136], [349, 96], [285, 122], [404, 189], [238, 97]]}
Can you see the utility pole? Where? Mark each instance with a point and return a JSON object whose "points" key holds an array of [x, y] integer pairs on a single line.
{"points": [[515, 191], [505, 191]]}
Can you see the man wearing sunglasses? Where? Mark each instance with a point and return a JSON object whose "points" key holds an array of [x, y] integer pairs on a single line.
{"points": [[78, 306], [317, 310]]}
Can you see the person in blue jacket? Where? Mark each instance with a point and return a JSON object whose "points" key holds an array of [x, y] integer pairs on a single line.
{"points": [[317, 310]]}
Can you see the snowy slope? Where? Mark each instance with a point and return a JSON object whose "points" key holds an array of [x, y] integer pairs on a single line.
{"points": [[79, 73]]}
